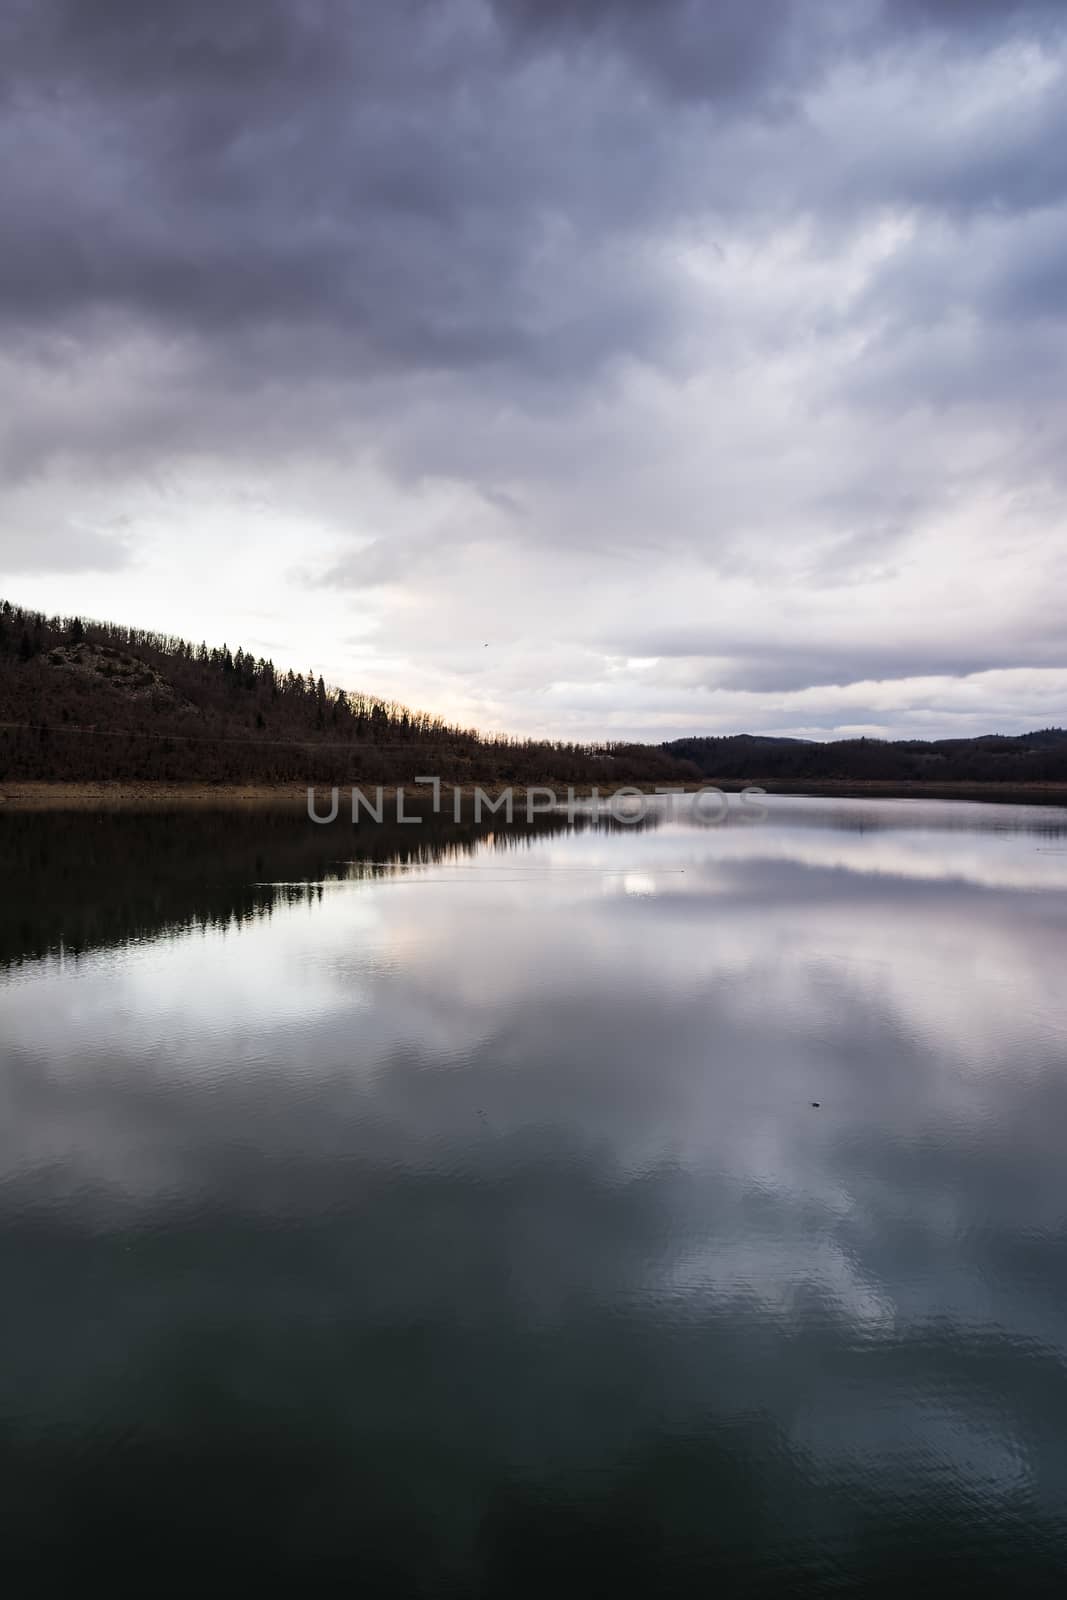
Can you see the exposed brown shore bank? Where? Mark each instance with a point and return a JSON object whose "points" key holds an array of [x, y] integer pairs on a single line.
{"points": [[41, 796]]}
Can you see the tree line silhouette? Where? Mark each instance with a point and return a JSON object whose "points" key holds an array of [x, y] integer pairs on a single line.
{"points": [[1027, 758], [86, 700], [83, 700]]}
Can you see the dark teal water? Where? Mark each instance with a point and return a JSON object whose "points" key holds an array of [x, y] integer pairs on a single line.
{"points": [[432, 1212]]}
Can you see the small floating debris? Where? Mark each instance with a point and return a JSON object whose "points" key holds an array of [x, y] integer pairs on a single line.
{"points": [[815, 1105]]}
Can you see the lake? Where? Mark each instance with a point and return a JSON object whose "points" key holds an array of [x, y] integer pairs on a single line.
{"points": [[581, 1208]]}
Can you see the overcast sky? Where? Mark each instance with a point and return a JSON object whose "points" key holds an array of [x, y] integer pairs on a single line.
{"points": [[587, 367]]}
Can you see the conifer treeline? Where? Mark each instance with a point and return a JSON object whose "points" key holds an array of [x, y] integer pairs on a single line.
{"points": [[87, 700], [95, 700], [1033, 758]]}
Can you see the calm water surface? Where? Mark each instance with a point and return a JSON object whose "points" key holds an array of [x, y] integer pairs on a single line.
{"points": [[428, 1212]]}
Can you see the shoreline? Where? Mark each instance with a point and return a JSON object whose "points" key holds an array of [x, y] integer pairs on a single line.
{"points": [[195, 795]]}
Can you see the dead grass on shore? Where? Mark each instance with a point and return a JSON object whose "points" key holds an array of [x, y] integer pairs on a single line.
{"points": [[150, 796]]}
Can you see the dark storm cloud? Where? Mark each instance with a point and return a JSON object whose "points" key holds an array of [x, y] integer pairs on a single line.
{"points": [[758, 665], [363, 170], [964, 15], [763, 54], [417, 179], [604, 266], [727, 52]]}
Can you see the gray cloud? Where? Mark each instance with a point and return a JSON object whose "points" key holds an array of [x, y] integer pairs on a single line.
{"points": [[367, 180], [757, 668], [62, 547], [580, 314]]}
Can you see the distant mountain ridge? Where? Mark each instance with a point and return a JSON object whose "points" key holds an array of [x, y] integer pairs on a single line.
{"points": [[1037, 757]]}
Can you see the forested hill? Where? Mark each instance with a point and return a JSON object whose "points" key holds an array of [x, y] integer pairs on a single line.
{"points": [[84, 701], [1035, 758]]}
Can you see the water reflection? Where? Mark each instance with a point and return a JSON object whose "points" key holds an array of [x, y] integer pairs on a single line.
{"points": [[454, 1217]]}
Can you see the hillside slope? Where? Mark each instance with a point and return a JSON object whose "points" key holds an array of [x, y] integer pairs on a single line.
{"points": [[83, 701], [89, 701]]}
